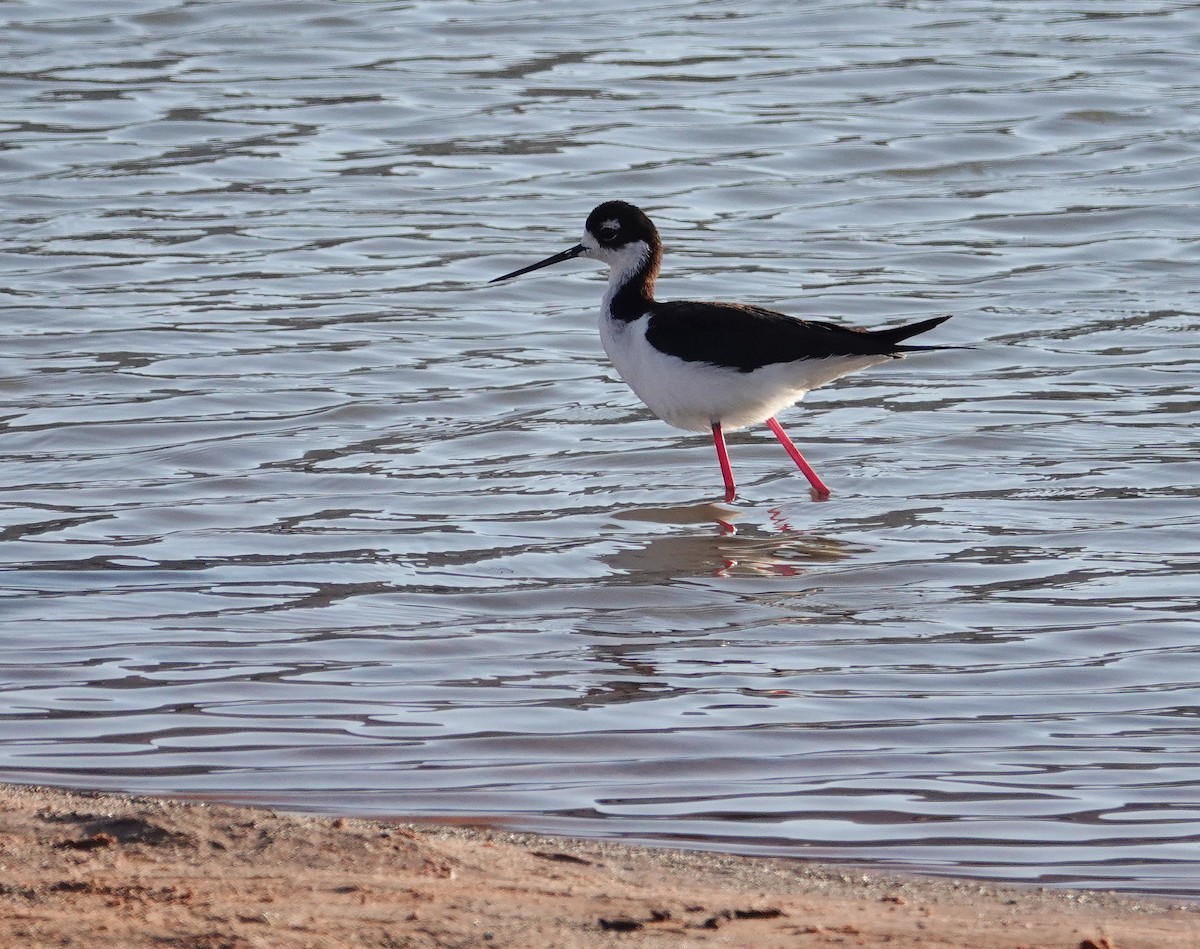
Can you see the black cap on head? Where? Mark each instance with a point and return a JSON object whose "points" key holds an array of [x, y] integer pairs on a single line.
{"points": [[617, 223]]}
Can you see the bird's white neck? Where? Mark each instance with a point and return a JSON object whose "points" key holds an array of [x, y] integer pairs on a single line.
{"points": [[630, 279]]}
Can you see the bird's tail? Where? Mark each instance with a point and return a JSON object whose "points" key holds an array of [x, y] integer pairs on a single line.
{"points": [[892, 337]]}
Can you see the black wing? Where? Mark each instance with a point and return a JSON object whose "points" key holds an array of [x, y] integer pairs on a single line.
{"points": [[749, 337]]}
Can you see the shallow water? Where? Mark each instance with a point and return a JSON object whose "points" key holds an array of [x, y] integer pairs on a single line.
{"points": [[297, 510]]}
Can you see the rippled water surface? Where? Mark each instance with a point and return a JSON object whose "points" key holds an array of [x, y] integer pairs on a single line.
{"points": [[296, 509]]}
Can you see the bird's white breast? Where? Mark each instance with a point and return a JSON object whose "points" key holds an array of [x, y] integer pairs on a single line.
{"points": [[693, 395]]}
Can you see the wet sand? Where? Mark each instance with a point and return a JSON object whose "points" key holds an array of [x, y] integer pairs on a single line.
{"points": [[99, 870]]}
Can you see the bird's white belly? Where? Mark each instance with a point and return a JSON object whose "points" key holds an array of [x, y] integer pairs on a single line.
{"points": [[693, 395]]}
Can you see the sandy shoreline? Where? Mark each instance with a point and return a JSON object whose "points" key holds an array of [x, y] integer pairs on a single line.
{"points": [[105, 870]]}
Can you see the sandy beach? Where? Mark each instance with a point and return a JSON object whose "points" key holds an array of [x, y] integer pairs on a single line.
{"points": [[106, 870]]}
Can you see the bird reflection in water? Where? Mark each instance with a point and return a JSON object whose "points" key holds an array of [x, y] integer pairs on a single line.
{"points": [[736, 550]]}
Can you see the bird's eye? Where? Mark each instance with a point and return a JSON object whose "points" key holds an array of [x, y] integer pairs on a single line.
{"points": [[609, 230]]}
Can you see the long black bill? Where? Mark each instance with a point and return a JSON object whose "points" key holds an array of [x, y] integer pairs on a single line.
{"points": [[556, 259]]}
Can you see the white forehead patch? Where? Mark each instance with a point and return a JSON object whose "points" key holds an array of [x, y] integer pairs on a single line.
{"points": [[612, 224]]}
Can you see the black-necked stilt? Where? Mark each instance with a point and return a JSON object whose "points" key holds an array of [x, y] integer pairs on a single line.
{"points": [[716, 367]]}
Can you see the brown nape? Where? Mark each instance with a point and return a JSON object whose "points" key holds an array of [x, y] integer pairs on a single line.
{"points": [[636, 295]]}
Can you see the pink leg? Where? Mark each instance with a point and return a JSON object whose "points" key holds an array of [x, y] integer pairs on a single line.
{"points": [[817, 483], [723, 458]]}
